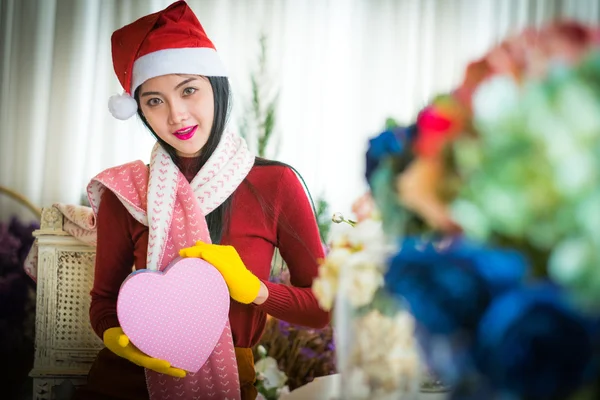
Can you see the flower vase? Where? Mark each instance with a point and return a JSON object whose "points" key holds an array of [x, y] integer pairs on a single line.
{"points": [[377, 356]]}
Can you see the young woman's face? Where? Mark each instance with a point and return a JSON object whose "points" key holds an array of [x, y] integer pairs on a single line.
{"points": [[180, 110]]}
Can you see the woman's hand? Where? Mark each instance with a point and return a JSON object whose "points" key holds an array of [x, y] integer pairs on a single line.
{"points": [[117, 342], [243, 285]]}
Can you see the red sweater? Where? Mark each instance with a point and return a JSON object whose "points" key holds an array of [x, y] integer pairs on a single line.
{"points": [[253, 231]]}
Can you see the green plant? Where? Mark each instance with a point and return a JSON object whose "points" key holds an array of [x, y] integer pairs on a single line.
{"points": [[323, 217], [259, 119]]}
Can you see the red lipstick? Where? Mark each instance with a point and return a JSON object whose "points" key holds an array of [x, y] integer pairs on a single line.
{"points": [[185, 133]]}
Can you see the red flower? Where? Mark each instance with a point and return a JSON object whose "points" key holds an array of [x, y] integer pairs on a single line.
{"points": [[437, 124]]}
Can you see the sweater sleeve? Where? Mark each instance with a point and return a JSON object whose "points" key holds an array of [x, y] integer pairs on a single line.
{"points": [[114, 261], [300, 246]]}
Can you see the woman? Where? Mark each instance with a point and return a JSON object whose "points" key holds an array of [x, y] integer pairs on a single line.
{"points": [[176, 83]]}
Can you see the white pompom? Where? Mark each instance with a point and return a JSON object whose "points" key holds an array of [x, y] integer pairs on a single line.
{"points": [[122, 106]]}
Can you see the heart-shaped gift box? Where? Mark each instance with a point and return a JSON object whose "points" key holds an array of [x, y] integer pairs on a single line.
{"points": [[177, 314]]}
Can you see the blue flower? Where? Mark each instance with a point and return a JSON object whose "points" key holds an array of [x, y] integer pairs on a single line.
{"points": [[532, 344], [448, 290], [388, 143]]}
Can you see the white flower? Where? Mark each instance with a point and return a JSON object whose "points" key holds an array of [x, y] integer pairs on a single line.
{"points": [[337, 217], [325, 286], [338, 236], [271, 375], [359, 253], [283, 391], [386, 351], [262, 352], [366, 235], [362, 278], [367, 231], [325, 289], [359, 385], [337, 257], [260, 396]]}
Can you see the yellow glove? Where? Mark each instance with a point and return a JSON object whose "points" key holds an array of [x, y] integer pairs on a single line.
{"points": [[117, 342], [243, 285]]}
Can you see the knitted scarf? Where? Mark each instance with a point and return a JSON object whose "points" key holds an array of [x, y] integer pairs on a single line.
{"points": [[174, 212]]}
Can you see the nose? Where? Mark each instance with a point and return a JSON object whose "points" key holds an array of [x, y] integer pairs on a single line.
{"points": [[177, 112]]}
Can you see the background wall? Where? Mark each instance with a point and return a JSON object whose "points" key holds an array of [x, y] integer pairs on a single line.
{"points": [[342, 67]]}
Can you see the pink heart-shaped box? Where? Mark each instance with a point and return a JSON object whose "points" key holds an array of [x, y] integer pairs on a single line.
{"points": [[176, 315]]}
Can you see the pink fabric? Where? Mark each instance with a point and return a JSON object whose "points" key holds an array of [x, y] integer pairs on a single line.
{"points": [[79, 222]]}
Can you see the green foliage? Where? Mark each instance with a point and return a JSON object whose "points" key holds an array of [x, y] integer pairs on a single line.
{"points": [[260, 117], [323, 217], [391, 123], [269, 394], [531, 179], [386, 199]]}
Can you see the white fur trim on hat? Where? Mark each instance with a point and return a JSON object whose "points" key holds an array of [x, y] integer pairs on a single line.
{"points": [[190, 60], [122, 106]]}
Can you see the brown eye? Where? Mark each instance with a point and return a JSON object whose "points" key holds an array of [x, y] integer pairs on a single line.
{"points": [[154, 102], [188, 91]]}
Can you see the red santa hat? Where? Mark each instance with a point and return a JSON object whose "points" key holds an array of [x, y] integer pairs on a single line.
{"points": [[171, 41]]}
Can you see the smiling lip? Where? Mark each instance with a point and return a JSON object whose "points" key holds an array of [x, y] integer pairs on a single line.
{"points": [[186, 133]]}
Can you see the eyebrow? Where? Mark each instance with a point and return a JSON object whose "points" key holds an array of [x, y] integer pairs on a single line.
{"points": [[188, 80]]}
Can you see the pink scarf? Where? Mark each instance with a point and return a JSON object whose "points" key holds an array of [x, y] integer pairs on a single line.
{"points": [[174, 211]]}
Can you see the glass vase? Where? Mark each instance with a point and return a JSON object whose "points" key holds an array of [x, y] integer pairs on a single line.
{"points": [[377, 356]]}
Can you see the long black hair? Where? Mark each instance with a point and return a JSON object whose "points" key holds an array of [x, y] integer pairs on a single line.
{"points": [[218, 219]]}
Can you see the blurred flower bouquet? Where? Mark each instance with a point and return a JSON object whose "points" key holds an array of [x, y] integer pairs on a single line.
{"points": [[302, 354], [17, 307], [376, 353], [494, 197]]}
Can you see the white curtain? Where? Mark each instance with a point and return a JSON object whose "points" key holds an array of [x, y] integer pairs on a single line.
{"points": [[342, 67]]}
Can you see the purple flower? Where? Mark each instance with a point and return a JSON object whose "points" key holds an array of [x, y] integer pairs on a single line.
{"points": [[284, 328], [331, 346], [9, 249], [15, 241], [308, 353], [25, 234]]}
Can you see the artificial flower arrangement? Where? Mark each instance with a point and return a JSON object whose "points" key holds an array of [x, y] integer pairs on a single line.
{"points": [[300, 353], [493, 196], [270, 380], [376, 352]]}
